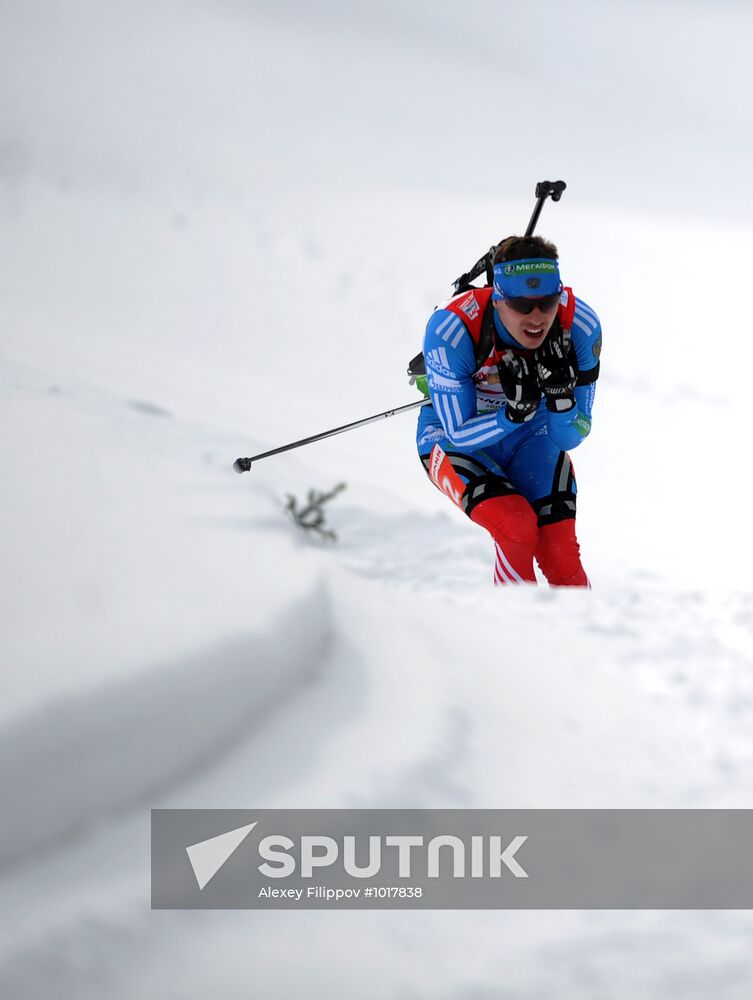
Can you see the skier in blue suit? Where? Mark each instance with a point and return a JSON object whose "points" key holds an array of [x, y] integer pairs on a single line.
{"points": [[511, 372]]}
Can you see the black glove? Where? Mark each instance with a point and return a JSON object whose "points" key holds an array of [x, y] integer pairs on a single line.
{"points": [[557, 374], [517, 376]]}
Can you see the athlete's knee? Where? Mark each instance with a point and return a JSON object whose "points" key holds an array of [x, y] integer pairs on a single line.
{"points": [[510, 517], [558, 555], [511, 522]]}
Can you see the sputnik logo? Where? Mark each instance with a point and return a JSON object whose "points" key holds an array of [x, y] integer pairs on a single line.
{"points": [[320, 851], [208, 856]]}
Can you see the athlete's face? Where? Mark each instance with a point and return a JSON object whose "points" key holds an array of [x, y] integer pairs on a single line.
{"points": [[530, 331]]}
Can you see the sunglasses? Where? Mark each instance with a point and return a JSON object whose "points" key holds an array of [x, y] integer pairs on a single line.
{"points": [[526, 306]]}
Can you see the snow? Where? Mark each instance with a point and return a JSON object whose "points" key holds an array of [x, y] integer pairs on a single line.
{"points": [[223, 227]]}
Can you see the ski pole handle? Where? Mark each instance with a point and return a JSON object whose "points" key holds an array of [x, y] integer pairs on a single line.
{"points": [[544, 189]]}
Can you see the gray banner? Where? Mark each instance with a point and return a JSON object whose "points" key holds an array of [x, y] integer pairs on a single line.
{"points": [[452, 858]]}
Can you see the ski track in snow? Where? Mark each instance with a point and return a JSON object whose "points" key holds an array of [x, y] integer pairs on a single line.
{"points": [[653, 646]]}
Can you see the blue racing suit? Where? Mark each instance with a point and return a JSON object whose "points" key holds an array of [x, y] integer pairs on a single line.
{"points": [[467, 417]]}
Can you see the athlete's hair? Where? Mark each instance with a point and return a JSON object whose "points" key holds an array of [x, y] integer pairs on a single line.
{"points": [[522, 247]]}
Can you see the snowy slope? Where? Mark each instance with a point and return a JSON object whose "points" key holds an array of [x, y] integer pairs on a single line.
{"points": [[223, 227]]}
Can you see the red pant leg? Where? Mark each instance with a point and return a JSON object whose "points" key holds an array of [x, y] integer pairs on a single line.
{"points": [[558, 555], [511, 522]]}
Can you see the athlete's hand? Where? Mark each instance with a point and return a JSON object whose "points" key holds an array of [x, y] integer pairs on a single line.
{"points": [[519, 382], [556, 374]]}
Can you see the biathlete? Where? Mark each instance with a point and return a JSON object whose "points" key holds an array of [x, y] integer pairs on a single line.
{"points": [[511, 372]]}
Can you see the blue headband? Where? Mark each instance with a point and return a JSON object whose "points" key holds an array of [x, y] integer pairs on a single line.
{"points": [[533, 276]]}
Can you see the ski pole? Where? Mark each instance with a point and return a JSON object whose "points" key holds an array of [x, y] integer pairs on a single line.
{"points": [[544, 190], [244, 464]]}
